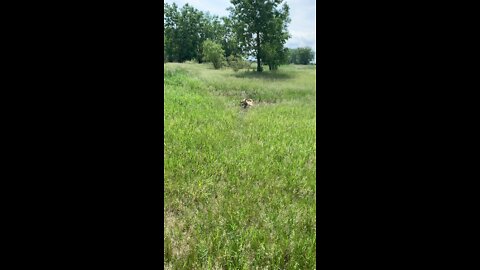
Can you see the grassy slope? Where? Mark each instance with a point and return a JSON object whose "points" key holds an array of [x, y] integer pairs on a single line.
{"points": [[239, 184]]}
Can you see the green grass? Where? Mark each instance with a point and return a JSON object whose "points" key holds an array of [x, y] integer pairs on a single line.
{"points": [[240, 186]]}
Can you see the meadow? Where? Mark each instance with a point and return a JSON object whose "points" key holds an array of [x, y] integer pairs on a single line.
{"points": [[240, 184]]}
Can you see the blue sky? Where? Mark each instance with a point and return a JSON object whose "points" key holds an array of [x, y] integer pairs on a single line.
{"points": [[302, 27]]}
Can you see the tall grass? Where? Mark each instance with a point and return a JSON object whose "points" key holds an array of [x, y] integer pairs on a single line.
{"points": [[239, 183]]}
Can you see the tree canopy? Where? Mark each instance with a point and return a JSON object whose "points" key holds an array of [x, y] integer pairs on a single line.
{"points": [[261, 28], [254, 28], [301, 56]]}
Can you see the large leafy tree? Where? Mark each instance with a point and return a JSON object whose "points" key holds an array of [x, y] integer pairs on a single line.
{"points": [[189, 37], [261, 28], [171, 21], [186, 28], [274, 55], [229, 39], [211, 28]]}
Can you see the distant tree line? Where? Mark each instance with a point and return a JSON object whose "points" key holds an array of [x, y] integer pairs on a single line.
{"points": [[186, 28], [256, 28], [300, 56]]}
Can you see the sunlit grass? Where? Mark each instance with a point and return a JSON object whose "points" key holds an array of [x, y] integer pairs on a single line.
{"points": [[239, 183]]}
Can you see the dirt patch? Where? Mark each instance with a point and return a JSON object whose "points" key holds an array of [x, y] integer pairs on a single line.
{"points": [[178, 234]]}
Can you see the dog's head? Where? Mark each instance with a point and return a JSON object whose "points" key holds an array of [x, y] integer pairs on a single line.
{"points": [[246, 102]]}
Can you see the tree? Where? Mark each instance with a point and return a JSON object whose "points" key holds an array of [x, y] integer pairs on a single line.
{"points": [[301, 56], [164, 50], [274, 55], [305, 55], [229, 39], [261, 29], [189, 30], [211, 28], [292, 56], [213, 52], [185, 30], [171, 19]]}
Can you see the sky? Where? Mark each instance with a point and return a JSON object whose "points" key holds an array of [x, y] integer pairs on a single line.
{"points": [[303, 17]]}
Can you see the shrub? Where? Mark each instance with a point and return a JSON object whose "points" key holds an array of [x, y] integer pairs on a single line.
{"points": [[213, 52], [237, 63]]}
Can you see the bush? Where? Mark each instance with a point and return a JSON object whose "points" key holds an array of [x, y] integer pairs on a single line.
{"points": [[213, 52], [237, 63]]}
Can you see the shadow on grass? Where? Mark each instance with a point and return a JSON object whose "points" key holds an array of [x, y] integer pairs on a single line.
{"points": [[265, 75]]}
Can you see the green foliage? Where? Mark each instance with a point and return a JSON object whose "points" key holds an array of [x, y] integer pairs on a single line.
{"points": [[213, 52], [301, 56], [229, 40], [258, 23], [254, 28], [274, 55], [164, 50], [237, 63], [186, 29]]}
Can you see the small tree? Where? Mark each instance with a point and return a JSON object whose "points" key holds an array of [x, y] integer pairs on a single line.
{"points": [[213, 52]]}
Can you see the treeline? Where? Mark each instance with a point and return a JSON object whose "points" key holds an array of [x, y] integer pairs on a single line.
{"points": [[185, 29], [301, 56], [254, 28]]}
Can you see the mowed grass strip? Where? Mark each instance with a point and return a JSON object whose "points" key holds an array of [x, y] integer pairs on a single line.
{"points": [[239, 183]]}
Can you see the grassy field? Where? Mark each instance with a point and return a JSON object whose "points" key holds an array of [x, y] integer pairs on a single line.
{"points": [[240, 186]]}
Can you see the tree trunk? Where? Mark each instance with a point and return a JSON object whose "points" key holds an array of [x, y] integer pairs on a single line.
{"points": [[259, 61]]}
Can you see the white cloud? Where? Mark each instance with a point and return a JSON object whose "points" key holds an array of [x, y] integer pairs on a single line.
{"points": [[302, 27]]}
